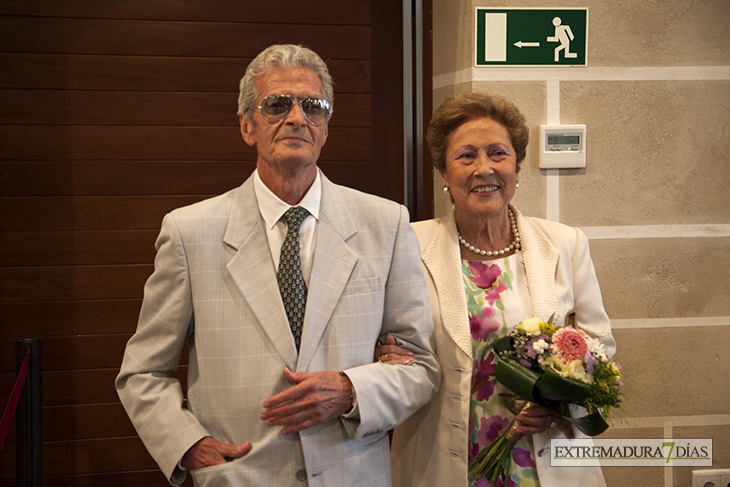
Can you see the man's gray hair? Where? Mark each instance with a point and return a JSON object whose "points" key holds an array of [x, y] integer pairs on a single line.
{"points": [[281, 56]]}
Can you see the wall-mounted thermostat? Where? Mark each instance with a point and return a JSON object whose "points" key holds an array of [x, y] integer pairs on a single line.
{"points": [[562, 146]]}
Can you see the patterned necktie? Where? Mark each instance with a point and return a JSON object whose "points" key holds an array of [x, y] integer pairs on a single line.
{"points": [[289, 276]]}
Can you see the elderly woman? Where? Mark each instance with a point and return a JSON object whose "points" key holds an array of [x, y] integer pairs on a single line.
{"points": [[488, 268]]}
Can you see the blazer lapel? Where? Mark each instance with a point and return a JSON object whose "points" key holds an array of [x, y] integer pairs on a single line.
{"points": [[442, 258], [332, 267], [252, 269], [541, 258]]}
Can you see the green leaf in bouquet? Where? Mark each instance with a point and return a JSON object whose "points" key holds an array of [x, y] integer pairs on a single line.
{"points": [[553, 387], [518, 378], [504, 344], [591, 425]]}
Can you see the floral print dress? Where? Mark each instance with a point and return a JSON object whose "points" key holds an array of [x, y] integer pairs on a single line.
{"points": [[497, 299]]}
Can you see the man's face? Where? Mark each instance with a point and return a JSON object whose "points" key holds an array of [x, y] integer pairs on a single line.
{"points": [[291, 143]]}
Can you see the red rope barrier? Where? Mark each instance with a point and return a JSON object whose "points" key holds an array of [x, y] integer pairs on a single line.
{"points": [[13, 402]]}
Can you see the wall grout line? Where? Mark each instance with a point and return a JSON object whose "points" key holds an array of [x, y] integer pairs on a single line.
{"points": [[642, 323], [659, 73], [656, 231], [699, 420], [552, 182]]}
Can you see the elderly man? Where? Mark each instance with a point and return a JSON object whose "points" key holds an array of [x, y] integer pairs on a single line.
{"points": [[282, 286]]}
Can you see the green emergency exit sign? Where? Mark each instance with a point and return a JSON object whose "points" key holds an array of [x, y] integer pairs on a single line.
{"points": [[531, 37]]}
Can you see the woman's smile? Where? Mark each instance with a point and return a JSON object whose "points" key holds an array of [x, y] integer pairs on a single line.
{"points": [[485, 189]]}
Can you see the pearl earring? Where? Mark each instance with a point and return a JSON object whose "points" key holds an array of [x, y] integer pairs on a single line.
{"points": [[518, 185], [446, 189]]}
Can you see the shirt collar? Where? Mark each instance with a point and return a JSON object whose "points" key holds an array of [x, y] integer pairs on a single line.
{"points": [[272, 208]]}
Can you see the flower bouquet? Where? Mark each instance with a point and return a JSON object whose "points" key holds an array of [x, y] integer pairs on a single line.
{"points": [[551, 366]]}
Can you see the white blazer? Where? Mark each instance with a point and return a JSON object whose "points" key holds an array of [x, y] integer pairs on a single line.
{"points": [[215, 283], [431, 448]]}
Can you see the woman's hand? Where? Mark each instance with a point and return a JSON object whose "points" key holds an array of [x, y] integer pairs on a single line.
{"points": [[391, 354], [534, 419]]}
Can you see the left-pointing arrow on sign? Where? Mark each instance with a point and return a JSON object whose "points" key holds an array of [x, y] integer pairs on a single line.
{"points": [[521, 44]]}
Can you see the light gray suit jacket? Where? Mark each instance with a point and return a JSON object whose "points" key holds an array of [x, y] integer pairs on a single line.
{"points": [[215, 284], [431, 448]]}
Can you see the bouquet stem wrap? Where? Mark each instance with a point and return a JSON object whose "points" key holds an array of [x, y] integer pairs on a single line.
{"points": [[493, 461]]}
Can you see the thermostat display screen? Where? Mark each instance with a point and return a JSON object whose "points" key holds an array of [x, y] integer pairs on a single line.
{"points": [[562, 142], [554, 139]]}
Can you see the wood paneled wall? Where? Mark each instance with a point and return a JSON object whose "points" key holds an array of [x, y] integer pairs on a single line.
{"points": [[112, 114]]}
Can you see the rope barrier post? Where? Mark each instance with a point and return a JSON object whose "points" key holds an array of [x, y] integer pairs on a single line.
{"points": [[28, 418]]}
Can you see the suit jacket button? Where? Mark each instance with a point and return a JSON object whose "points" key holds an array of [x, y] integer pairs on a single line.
{"points": [[302, 475]]}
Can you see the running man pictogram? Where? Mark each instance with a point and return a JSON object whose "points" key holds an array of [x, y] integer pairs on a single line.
{"points": [[563, 35]]}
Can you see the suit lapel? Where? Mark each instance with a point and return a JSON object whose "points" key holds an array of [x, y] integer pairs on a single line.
{"points": [[252, 269], [541, 258], [332, 267], [442, 258]]}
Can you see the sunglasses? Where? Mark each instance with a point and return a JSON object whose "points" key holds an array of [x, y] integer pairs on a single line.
{"points": [[275, 108]]}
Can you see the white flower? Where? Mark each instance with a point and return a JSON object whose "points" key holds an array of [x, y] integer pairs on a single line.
{"points": [[531, 327], [578, 372], [540, 346], [571, 370], [596, 346]]}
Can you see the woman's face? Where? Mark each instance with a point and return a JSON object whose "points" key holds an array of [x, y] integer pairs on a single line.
{"points": [[481, 168]]}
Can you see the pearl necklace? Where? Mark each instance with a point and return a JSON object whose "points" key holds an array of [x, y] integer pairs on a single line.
{"points": [[515, 245]]}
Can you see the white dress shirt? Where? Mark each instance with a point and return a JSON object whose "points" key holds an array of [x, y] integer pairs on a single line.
{"points": [[272, 210]]}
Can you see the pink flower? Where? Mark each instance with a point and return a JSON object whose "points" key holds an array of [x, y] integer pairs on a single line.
{"points": [[482, 483], [484, 274], [522, 458], [482, 326], [483, 380], [489, 429], [494, 292], [569, 344], [473, 447]]}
